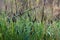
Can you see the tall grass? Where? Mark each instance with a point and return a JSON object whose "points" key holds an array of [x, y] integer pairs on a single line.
{"points": [[25, 29]]}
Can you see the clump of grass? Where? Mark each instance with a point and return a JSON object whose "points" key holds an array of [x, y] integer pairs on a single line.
{"points": [[25, 29]]}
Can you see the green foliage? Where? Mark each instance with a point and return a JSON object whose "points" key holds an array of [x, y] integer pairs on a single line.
{"points": [[25, 29]]}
